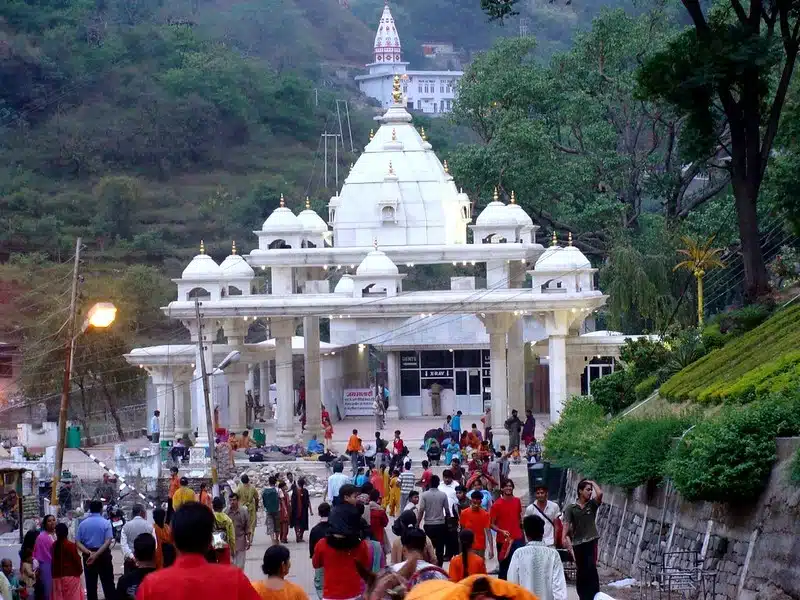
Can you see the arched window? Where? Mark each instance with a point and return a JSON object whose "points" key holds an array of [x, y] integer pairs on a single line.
{"points": [[198, 292], [279, 244], [387, 213], [234, 291]]}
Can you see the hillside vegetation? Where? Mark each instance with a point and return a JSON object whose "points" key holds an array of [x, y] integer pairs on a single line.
{"points": [[763, 361]]}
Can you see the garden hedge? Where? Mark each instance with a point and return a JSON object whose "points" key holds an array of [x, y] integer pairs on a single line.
{"points": [[762, 349]]}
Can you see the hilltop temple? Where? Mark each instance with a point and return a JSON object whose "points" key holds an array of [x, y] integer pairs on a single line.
{"points": [[509, 331], [431, 92]]}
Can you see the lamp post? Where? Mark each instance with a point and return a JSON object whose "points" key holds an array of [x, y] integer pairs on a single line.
{"points": [[100, 316]]}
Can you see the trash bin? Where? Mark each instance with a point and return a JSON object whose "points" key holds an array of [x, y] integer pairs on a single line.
{"points": [[537, 476], [166, 446], [260, 436], [73, 436]]}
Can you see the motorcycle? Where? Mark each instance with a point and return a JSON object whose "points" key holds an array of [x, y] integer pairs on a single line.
{"points": [[117, 518]]}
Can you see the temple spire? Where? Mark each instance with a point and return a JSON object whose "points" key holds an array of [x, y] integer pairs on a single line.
{"points": [[387, 43], [233, 247], [202, 247], [283, 203], [308, 203], [555, 239]]}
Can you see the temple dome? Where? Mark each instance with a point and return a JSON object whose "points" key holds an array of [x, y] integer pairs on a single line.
{"points": [[282, 220], [311, 221], [560, 259], [345, 285], [236, 267], [376, 263], [496, 214], [202, 268], [523, 218]]}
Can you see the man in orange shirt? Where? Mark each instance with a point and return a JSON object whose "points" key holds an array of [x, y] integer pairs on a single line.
{"points": [[354, 449], [174, 484], [477, 520], [192, 577]]}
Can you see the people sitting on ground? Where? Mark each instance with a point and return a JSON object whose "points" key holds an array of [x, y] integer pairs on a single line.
{"points": [[192, 528], [474, 563], [276, 567], [314, 446]]}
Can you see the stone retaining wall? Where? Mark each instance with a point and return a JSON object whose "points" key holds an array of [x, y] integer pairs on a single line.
{"points": [[754, 549]]}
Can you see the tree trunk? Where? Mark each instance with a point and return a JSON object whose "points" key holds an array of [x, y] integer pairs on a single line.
{"points": [[755, 270], [113, 410]]}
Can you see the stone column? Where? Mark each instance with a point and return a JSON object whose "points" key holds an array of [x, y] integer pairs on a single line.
{"points": [[558, 375], [201, 425], [168, 416], [283, 330], [576, 365], [312, 367], [497, 325], [237, 407], [183, 401], [162, 384], [263, 386], [393, 377], [516, 367]]}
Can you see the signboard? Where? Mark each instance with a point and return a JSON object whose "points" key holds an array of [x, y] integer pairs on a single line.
{"points": [[409, 360], [487, 359], [436, 373], [358, 402]]}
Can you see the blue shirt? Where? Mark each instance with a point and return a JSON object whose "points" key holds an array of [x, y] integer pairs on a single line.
{"points": [[335, 482], [93, 531], [456, 423]]}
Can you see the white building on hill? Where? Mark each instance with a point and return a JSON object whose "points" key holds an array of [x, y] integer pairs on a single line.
{"points": [[509, 331], [431, 92]]}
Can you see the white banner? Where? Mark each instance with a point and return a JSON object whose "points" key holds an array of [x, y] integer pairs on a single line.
{"points": [[358, 402]]}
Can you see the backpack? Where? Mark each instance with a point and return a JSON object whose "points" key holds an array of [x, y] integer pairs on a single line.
{"points": [[269, 497]]}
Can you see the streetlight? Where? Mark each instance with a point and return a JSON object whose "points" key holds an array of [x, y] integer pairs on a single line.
{"points": [[100, 316]]}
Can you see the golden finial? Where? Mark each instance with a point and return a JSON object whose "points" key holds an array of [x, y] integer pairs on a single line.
{"points": [[374, 243], [397, 92], [394, 135], [569, 239], [283, 203], [308, 203], [391, 168], [555, 239], [202, 247], [233, 248], [513, 197], [424, 137], [351, 166], [496, 195], [446, 168], [371, 134]]}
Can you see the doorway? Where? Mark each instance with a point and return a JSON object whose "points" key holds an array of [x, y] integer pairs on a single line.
{"points": [[469, 391]]}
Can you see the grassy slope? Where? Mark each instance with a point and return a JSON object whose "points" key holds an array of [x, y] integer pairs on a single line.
{"points": [[763, 360]]}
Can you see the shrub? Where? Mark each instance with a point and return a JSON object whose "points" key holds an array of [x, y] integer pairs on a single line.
{"points": [[771, 377], [614, 392], [771, 340], [729, 457], [635, 451], [713, 338], [742, 320], [571, 442], [643, 356], [644, 388]]}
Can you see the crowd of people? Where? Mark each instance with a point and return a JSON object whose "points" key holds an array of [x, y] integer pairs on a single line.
{"points": [[445, 529]]}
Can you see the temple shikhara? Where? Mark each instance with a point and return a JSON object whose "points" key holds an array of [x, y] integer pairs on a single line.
{"points": [[512, 329], [431, 92]]}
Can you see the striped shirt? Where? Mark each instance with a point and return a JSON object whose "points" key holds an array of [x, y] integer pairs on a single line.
{"points": [[406, 482]]}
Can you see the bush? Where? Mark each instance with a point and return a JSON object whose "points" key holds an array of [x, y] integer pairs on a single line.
{"points": [[771, 377], [643, 356], [571, 442], [730, 456], [713, 338], [740, 321], [635, 451], [644, 388], [614, 392]]}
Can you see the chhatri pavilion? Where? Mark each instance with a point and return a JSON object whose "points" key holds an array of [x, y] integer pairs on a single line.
{"points": [[511, 331]]}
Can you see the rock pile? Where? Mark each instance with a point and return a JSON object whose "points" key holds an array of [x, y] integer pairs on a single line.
{"points": [[260, 473]]}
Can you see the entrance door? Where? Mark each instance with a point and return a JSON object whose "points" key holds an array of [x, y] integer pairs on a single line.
{"points": [[469, 392]]}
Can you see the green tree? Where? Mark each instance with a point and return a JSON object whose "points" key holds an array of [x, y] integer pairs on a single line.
{"points": [[728, 75], [117, 199]]}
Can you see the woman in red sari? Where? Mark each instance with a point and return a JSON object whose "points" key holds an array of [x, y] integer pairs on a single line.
{"points": [[285, 512], [67, 567]]}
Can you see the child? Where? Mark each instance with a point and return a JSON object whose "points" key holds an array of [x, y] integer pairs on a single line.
{"points": [[394, 493], [456, 425], [413, 501], [361, 478]]}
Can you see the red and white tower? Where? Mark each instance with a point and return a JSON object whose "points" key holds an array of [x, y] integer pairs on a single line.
{"points": [[387, 41]]}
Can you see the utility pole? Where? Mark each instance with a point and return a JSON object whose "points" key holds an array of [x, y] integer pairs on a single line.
{"points": [[70, 347], [335, 137], [207, 397]]}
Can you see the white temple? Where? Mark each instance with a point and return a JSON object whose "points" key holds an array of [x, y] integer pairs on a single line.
{"points": [[431, 92], [399, 208]]}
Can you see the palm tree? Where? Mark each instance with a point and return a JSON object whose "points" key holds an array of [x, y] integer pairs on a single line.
{"points": [[700, 258]]}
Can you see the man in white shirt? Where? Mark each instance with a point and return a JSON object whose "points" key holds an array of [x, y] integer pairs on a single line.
{"points": [[155, 427], [547, 511], [536, 567], [335, 482], [448, 486], [133, 529]]}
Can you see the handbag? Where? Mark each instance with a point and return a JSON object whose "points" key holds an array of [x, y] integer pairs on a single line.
{"points": [[558, 528]]}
